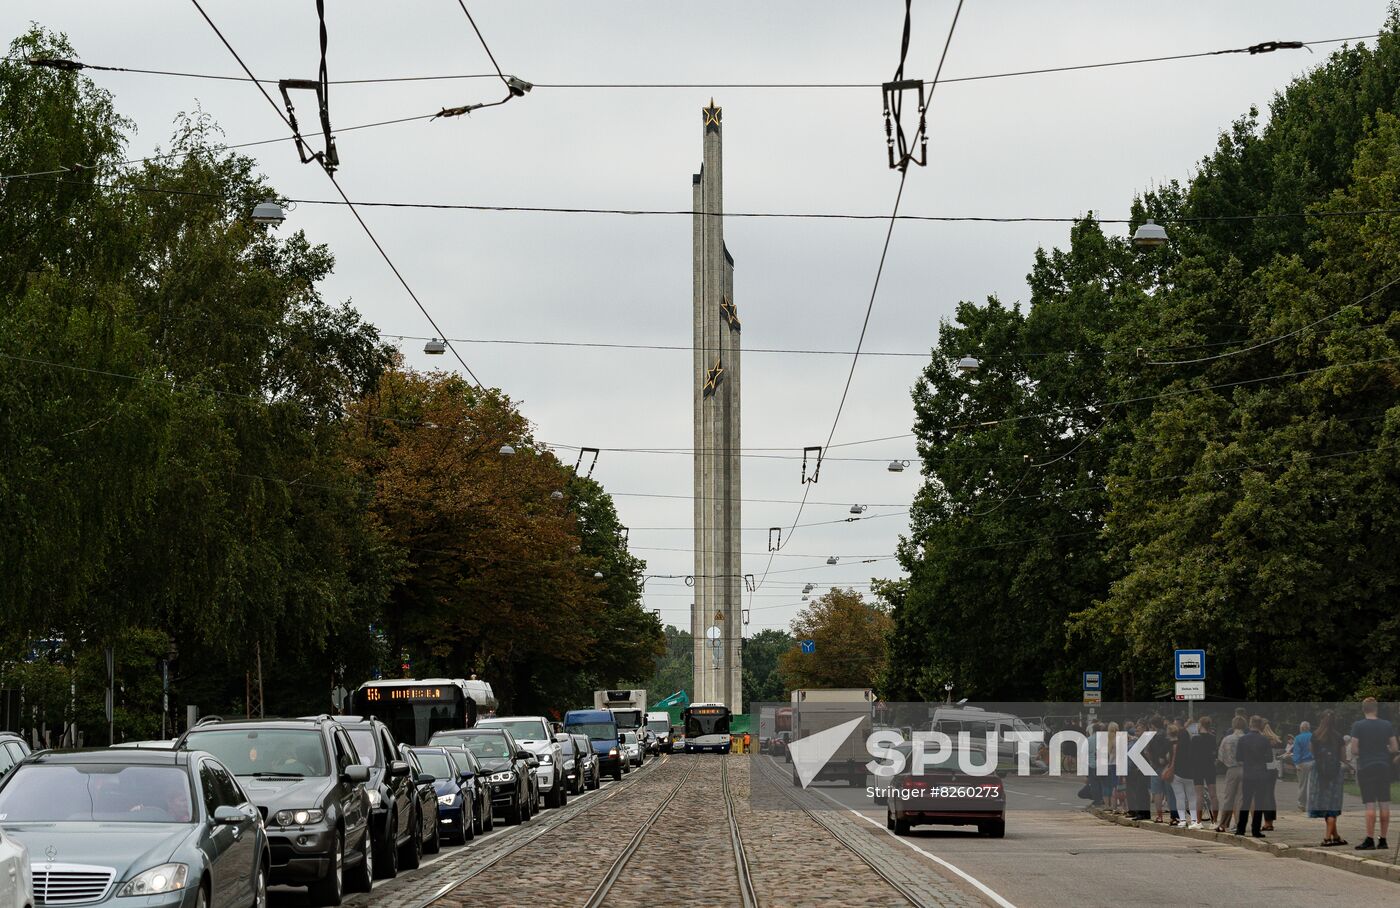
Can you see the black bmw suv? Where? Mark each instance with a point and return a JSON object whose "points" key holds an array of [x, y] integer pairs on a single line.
{"points": [[403, 813], [308, 782]]}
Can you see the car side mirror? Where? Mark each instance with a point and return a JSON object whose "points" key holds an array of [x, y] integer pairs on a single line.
{"points": [[466, 776], [398, 768], [522, 755], [426, 779], [225, 815], [622, 739], [355, 774]]}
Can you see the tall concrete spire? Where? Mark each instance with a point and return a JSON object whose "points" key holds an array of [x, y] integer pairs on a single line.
{"points": [[718, 562]]}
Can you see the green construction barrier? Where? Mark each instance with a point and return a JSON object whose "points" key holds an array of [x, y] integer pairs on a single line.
{"points": [[739, 724]]}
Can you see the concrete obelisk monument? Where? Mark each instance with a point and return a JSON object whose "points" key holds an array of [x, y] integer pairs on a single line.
{"points": [[717, 615]]}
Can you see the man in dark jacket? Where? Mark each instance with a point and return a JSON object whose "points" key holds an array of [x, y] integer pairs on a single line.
{"points": [[1254, 753]]}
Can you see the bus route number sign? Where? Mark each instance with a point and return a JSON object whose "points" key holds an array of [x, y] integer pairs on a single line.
{"points": [[375, 694]]}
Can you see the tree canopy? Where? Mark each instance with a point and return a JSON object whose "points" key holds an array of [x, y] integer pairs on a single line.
{"points": [[1189, 446]]}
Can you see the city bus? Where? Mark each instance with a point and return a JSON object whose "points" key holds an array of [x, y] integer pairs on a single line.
{"points": [[415, 708], [706, 727]]}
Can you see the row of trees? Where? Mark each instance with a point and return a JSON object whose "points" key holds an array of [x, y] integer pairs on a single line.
{"points": [[205, 461], [1192, 446]]}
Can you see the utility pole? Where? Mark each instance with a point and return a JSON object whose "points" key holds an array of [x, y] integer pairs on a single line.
{"points": [[253, 698]]}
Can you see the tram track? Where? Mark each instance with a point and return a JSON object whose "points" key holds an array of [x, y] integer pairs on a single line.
{"points": [[529, 835], [747, 896], [782, 783], [619, 864]]}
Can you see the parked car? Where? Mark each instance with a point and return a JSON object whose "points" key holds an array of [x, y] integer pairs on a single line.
{"points": [[632, 742], [600, 727], [473, 777], [12, 750], [506, 763], [425, 792], [162, 744], [16, 887], [399, 812], [456, 802], [537, 733], [133, 826], [581, 763], [309, 785]]}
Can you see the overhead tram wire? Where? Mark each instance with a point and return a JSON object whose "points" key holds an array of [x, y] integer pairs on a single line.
{"points": [[54, 176], [281, 115], [601, 86], [880, 268]]}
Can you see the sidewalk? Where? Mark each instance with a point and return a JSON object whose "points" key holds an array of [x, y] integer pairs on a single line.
{"points": [[1297, 836]]}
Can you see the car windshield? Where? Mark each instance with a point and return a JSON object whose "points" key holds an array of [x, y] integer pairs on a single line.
{"points": [[660, 726], [363, 738], [598, 731], [567, 746], [463, 760], [90, 793], [435, 764], [488, 747], [264, 751], [522, 729]]}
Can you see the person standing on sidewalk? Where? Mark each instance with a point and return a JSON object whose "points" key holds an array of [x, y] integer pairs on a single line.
{"points": [[1254, 753], [1325, 790], [1271, 780], [1204, 747], [1183, 785], [1234, 773], [1159, 753], [1303, 761], [1372, 743]]}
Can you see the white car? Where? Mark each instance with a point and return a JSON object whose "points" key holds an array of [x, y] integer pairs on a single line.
{"points": [[16, 887], [636, 751]]}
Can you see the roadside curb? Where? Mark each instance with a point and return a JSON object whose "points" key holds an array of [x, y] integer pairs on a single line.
{"points": [[1327, 857]]}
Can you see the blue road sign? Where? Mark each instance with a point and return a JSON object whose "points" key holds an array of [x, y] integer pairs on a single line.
{"points": [[1190, 664], [809, 646], [1093, 680]]}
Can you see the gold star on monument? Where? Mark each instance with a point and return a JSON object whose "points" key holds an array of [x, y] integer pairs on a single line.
{"points": [[712, 377], [731, 314], [712, 114]]}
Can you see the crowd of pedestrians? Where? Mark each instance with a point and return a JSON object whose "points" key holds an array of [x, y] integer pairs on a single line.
{"points": [[1228, 781]]}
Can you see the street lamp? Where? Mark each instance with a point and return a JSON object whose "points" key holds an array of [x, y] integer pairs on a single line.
{"points": [[506, 451], [1150, 234], [597, 575], [897, 466], [968, 365], [556, 495], [269, 212], [859, 508], [831, 559], [435, 347]]}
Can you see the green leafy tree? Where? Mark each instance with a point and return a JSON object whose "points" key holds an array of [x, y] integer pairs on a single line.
{"points": [[851, 637]]}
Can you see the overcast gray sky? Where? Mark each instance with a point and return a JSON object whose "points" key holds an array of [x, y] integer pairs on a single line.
{"points": [[1048, 145]]}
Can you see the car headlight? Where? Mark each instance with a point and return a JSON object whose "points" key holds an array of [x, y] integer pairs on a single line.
{"points": [[507, 776], [546, 759], [447, 800], [375, 798], [568, 764], [165, 878], [298, 817], [613, 752]]}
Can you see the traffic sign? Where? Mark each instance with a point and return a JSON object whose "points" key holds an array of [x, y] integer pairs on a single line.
{"points": [[1190, 665], [1093, 681], [809, 646], [1190, 690], [1092, 697]]}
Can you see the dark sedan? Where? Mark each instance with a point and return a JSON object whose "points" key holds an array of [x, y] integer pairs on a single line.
{"points": [[943, 795], [136, 827], [473, 778], [505, 763], [455, 799]]}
